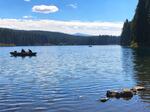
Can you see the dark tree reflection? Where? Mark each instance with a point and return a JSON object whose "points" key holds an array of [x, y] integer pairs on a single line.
{"points": [[136, 64], [142, 68]]}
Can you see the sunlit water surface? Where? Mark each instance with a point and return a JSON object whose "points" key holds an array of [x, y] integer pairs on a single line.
{"points": [[73, 79]]}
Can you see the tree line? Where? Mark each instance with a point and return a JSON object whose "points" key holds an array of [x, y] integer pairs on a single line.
{"points": [[33, 38], [136, 33]]}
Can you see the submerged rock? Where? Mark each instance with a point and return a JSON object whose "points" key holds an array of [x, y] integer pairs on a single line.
{"points": [[104, 99], [138, 88], [127, 99], [126, 93]]}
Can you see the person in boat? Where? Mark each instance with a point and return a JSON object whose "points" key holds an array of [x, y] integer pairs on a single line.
{"points": [[29, 51], [23, 51], [15, 51]]}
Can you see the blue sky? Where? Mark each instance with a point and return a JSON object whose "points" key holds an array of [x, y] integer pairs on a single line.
{"points": [[72, 13]]}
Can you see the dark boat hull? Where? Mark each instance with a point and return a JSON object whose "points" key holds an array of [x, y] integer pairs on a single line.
{"points": [[23, 54]]}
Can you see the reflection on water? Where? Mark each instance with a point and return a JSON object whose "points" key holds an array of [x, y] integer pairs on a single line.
{"points": [[139, 61], [72, 79], [142, 68]]}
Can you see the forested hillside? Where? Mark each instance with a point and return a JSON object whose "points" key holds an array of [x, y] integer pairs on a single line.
{"points": [[32, 38], [137, 32]]}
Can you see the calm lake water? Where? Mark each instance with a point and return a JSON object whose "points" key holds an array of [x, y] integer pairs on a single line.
{"points": [[73, 79]]}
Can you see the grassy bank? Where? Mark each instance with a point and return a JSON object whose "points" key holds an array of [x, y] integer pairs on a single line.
{"points": [[6, 45]]}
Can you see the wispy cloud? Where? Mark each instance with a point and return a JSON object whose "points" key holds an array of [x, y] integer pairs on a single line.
{"points": [[70, 27], [27, 17], [46, 9], [73, 5], [27, 0]]}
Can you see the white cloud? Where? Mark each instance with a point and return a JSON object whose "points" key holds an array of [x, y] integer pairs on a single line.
{"points": [[46, 9], [70, 27], [27, 17], [73, 6], [27, 0]]}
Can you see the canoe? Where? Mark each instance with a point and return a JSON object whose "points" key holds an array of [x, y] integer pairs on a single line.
{"points": [[23, 54]]}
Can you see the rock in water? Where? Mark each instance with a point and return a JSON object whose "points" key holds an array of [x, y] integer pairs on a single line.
{"points": [[113, 94], [104, 99], [126, 93], [138, 88]]}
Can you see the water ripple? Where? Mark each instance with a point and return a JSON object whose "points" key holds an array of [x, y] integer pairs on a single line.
{"points": [[72, 79]]}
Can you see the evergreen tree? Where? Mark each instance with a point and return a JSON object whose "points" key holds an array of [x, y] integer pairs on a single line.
{"points": [[126, 33]]}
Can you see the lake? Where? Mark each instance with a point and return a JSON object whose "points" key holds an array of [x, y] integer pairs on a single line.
{"points": [[73, 79]]}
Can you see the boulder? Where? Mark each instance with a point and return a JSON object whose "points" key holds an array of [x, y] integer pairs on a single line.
{"points": [[104, 99], [126, 93], [113, 94], [138, 88]]}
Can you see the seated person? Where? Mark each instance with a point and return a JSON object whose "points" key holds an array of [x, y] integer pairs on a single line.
{"points": [[22, 51], [29, 51], [15, 51]]}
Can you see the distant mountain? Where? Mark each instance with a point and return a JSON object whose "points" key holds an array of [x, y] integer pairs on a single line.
{"points": [[138, 30], [33, 38], [82, 34]]}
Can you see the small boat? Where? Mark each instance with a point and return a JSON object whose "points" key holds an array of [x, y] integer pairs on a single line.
{"points": [[90, 45], [23, 54]]}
